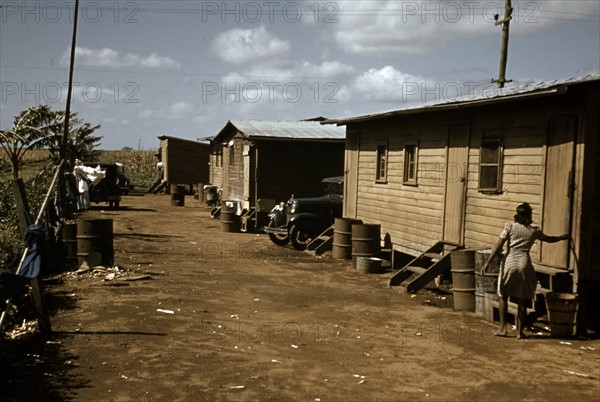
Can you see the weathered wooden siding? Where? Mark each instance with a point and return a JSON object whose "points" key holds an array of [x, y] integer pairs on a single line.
{"points": [[233, 167], [184, 161], [523, 140], [412, 215], [216, 165]]}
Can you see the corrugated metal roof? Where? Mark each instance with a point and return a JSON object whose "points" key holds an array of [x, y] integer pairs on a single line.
{"points": [[478, 97], [304, 130]]}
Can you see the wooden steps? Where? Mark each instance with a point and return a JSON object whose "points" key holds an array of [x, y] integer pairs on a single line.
{"points": [[321, 243], [425, 268]]}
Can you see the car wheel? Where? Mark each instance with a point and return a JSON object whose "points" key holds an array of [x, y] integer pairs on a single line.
{"points": [[279, 239], [300, 237]]}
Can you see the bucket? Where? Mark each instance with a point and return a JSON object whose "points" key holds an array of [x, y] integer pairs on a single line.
{"points": [[69, 238], [562, 311], [342, 238], [368, 265], [481, 257], [484, 284], [366, 241], [177, 195], [464, 299], [231, 222], [95, 242]]}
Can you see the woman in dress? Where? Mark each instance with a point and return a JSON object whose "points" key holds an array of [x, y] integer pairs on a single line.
{"points": [[517, 278]]}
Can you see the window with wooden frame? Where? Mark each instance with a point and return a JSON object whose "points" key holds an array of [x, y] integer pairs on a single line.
{"points": [[219, 156], [490, 164], [231, 153], [382, 162], [409, 174]]}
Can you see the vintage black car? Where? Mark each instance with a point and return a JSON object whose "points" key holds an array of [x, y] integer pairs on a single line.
{"points": [[300, 220]]}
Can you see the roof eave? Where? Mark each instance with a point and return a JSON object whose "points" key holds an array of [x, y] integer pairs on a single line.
{"points": [[448, 106]]}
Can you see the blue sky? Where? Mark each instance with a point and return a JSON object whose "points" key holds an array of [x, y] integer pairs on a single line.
{"points": [[183, 68]]}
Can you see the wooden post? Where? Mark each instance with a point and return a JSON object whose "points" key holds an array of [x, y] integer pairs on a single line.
{"points": [[504, 49], [22, 207]]}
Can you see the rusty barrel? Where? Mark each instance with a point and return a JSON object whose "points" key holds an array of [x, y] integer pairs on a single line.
{"points": [[488, 282], [342, 238], [69, 239], [366, 241], [481, 256], [231, 222], [463, 279], [562, 313], [177, 195], [95, 242]]}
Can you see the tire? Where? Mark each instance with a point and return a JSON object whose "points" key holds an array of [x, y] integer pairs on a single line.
{"points": [[279, 239], [300, 237]]}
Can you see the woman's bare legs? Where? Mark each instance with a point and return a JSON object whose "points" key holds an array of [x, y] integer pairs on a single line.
{"points": [[503, 312], [521, 316]]}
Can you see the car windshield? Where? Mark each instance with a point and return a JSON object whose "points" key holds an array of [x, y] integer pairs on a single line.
{"points": [[333, 188]]}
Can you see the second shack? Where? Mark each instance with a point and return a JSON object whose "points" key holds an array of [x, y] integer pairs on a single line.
{"points": [[260, 163]]}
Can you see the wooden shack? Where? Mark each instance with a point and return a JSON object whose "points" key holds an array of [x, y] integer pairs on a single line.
{"points": [[455, 170], [260, 163], [184, 161]]}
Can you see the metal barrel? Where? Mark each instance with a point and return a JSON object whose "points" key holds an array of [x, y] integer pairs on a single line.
{"points": [[177, 195], [368, 265], [366, 241], [200, 193], [342, 238], [95, 242], [486, 283], [230, 221], [69, 239], [463, 279], [562, 313], [481, 257]]}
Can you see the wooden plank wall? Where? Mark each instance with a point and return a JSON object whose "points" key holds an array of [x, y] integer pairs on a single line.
{"points": [[411, 215], [216, 165], [233, 180], [523, 139], [184, 161]]}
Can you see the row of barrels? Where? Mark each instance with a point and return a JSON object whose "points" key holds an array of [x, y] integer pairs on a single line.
{"points": [[88, 240], [474, 291], [358, 241]]}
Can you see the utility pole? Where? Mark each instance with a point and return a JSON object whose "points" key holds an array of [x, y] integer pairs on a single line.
{"points": [[64, 145], [505, 22]]}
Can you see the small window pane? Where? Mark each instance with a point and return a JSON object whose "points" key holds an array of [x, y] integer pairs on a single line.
{"points": [[488, 177], [489, 151]]}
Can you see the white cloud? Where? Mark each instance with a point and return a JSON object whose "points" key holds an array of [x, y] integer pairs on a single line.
{"points": [[180, 110], [392, 28], [240, 46], [385, 85], [111, 58]]}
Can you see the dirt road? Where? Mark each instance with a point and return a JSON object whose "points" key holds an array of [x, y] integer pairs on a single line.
{"points": [[232, 317]]}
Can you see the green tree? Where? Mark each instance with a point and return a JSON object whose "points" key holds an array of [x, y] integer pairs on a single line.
{"points": [[29, 130], [41, 127]]}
